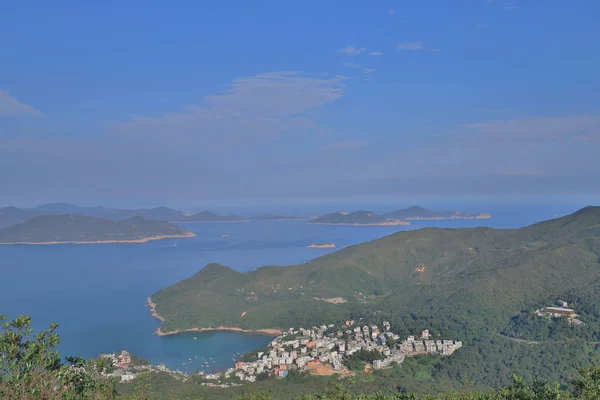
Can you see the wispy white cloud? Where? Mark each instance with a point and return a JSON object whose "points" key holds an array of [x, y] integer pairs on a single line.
{"points": [[539, 129], [264, 104], [375, 53], [351, 64], [392, 11], [418, 45], [481, 26], [11, 107], [369, 70], [352, 51]]}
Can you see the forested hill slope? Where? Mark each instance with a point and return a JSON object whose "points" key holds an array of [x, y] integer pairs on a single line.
{"points": [[479, 269], [466, 283], [50, 229]]}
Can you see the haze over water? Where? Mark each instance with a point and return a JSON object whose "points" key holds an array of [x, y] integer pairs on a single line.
{"points": [[97, 293]]}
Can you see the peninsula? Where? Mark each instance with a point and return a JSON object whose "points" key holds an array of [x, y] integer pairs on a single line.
{"points": [[358, 218], [322, 246], [60, 229], [470, 282]]}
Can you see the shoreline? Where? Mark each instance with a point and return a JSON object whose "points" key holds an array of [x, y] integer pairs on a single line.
{"points": [[159, 331], [143, 240], [445, 218], [402, 223], [193, 222]]}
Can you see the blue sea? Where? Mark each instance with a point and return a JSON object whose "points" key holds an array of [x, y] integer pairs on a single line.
{"points": [[97, 293]]}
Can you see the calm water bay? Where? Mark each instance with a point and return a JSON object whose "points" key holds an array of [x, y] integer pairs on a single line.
{"points": [[97, 293]]}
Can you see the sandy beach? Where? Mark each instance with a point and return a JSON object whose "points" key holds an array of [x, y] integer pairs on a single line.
{"points": [[143, 240], [159, 331]]}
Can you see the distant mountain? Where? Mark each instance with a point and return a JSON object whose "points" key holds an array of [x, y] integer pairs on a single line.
{"points": [[85, 229], [159, 213], [207, 216], [66, 208], [420, 213], [13, 215], [355, 218]]}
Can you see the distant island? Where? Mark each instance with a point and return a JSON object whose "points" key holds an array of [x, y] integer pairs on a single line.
{"points": [[359, 218], [420, 213], [322, 246], [60, 229], [207, 216], [279, 217], [10, 216]]}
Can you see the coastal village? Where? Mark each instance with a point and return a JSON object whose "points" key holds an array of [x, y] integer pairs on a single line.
{"points": [[322, 350]]}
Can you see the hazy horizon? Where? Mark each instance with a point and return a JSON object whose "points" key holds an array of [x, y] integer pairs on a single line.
{"points": [[305, 207], [193, 104]]}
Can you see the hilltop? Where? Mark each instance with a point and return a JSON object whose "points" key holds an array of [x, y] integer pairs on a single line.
{"points": [[51, 229], [420, 213], [481, 285], [355, 218]]}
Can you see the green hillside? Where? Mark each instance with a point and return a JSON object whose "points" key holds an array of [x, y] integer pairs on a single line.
{"points": [[465, 283], [79, 228]]}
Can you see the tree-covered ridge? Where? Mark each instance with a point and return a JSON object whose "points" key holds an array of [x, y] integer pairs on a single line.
{"points": [[476, 268], [83, 229], [466, 283]]}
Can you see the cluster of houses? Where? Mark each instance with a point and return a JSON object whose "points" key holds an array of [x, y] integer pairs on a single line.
{"points": [[304, 349], [308, 350], [126, 371]]}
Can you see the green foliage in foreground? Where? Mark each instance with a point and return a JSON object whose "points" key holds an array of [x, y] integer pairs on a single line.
{"points": [[31, 369]]}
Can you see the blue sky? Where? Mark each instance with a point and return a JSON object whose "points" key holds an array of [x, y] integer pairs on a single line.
{"points": [[187, 102]]}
